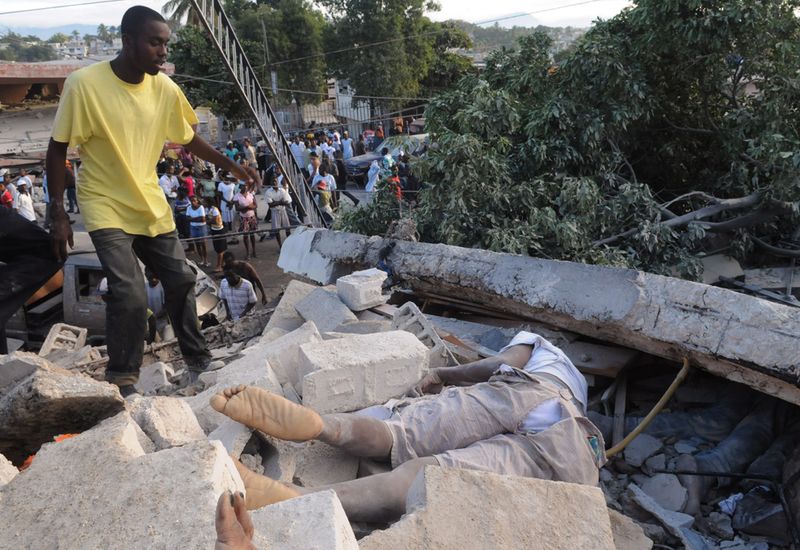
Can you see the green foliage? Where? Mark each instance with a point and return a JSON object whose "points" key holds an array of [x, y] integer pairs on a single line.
{"points": [[668, 97], [58, 38], [25, 48]]}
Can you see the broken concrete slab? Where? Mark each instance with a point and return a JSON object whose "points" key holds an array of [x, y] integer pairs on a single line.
{"points": [[408, 317], [362, 290], [7, 471], [627, 534], [283, 353], [742, 338], [457, 509], [364, 327], [14, 368], [285, 317], [302, 259], [324, 308], [311, 522], [167, 421], [233, 436], [154, 377], [49, 402], [309, 464], [677, 523], [641, 448], [136, 500], [353, 373], [63, 337], [666, 490], [270, 335]]}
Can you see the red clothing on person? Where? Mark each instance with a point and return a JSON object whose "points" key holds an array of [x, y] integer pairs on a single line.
{"points": [[6, 199], [189, 184]]}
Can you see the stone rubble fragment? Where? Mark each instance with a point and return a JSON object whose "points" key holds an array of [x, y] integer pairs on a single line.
{"points": [[285, 317], [353, 373], [233, 436], [7, 471], [451, 509], [272, 334], [627, 534], [101, 490], [666, 490], [63, 337], [677, 523], [283, 354], [364, 327], [656, 462], [309, 464], [641, 448], [324, 308], [362, 289], [167, 421], [154, 377], [408, 317], [49, 402], [311, 522]]}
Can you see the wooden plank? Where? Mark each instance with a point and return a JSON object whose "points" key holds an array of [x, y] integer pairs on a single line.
{"points": [[620, 400]]}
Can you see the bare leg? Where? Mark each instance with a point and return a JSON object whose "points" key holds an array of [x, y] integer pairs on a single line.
{"points": [[358, 435]]}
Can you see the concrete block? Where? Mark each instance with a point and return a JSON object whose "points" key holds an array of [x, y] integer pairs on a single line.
{"points": [[154, 377], [291, 394], [309, 464], [627, 533], [666, 490], [299, 256], [285, 317], [13, 370], [324, 308], [283, 353], [354, 373], [101, 490], [457, 509], [311, 522], [233, 436], [364, 327], [253, 371], [408, 317], [272, 334], [677, 523], [167, 421], [49, 402], [362, 289], [63, 337], [641, 448], [7, 471]]}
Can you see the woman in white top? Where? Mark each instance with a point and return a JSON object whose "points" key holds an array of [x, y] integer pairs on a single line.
{"points": [[196, 214], [246, 205]]}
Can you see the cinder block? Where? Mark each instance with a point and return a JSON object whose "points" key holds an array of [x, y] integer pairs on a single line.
{"points": [[451, 509], [408, 317], [153, 377], [270, 335], [352, 373], [101, 490], [311, 522], [362, 289], [285, 317], [63, 337], [283, 353], [167, 421], [324, 308]]}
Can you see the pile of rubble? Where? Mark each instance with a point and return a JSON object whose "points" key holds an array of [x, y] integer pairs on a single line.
{"points": [[147, 471]]}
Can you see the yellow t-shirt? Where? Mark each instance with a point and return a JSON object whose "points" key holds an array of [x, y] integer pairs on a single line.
{"points": [[120, 129]]}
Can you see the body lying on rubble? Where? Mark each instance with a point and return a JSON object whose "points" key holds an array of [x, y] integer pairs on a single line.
{"points": [[522, 413]]}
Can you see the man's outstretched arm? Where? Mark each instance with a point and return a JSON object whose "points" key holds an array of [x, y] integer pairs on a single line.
{"points": [[60, 229], [200, 147]]}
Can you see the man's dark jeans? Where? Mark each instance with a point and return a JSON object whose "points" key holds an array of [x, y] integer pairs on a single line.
{"points": [[126, 307]]}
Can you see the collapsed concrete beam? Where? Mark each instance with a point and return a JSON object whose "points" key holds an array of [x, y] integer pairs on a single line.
{"points": [[742, 338]]}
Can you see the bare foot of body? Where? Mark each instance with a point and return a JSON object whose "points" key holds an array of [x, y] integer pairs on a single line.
{"points": [[271, 413], [261, 490], [234, 526], [696, 486]]}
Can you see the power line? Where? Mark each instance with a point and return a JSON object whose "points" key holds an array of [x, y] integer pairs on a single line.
{"points": [[62, 6]]}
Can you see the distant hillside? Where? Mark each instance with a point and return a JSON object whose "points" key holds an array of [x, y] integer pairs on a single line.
{"points": [[494, 37], [46, 32]]}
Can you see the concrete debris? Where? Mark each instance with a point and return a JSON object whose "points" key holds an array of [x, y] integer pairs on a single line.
{"points": [[324, 308], [16, 367], [362, 289], [167, 421], [353, 373], [458, 509], [685, 447], [7, 471], [301, 258], [364, 327], [311, 522], [291, 394], [49, 402], [285, 317], [233, 436], [154, 377], [408, 317], [73, 359], [739, 337], [283, 353], [63, 337], [627, 534], [272, 334], [135, 500], [677, 523], [741, 544], [666, 490], [310, 464], [641, 448], [656, 462], [719, 525]]}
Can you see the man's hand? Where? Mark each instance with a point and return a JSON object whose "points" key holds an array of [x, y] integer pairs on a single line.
{"points": [[246, 173], [430, 383], [60, 233], [234, 526]]}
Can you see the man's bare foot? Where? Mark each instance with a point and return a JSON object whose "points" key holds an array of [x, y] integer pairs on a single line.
{"points": [[696, 486], [234, 526], [261, 490], [271, 413]]}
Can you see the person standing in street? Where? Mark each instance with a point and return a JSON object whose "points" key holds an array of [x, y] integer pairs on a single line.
{"points": [[279, 201], [246, 205], [24, 202], [69, 184], [120, 113]]}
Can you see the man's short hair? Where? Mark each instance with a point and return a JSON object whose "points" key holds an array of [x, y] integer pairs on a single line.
{"points": [[135, 18]]}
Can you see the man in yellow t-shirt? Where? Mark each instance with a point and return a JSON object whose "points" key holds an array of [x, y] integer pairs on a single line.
{"points": [[119, 114]]}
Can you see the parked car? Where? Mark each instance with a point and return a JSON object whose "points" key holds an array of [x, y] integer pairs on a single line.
{"points": [[415, 145]]}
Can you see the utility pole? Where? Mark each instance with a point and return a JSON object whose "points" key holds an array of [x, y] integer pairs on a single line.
{"points": [[273, 74]]}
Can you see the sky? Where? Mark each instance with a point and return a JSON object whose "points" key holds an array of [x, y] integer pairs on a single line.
{"points": [[470, 10]]}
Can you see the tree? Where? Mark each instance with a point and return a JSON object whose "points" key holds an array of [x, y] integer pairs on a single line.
{"points": [[58, 38], [103, 34], [668, 131], [448, 66], [75, 34]]}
